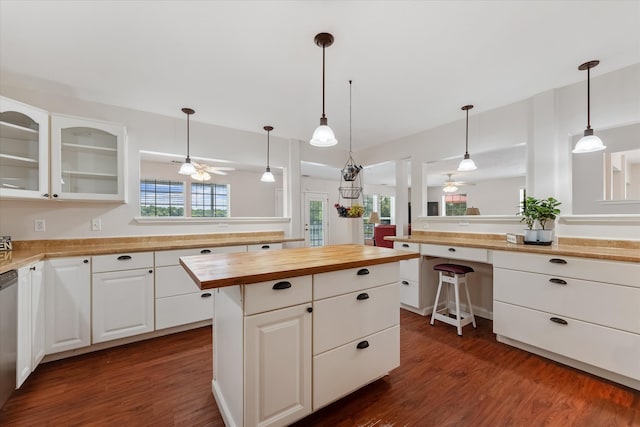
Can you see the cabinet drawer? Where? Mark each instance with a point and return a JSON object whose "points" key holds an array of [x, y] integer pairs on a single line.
{"points": [[174, 280], [342, 370], [410, 269], [606, 348], [122, 261], [348, 317], [623, 273], [604, 304], [340, 282], [184, 309], [410, 293], [264, 247], [413, 247], [173, 257], [265, 296], [455, 252]]}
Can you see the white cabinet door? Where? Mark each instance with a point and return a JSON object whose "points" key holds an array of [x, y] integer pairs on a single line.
{"points": [[123, 304], [67, 303], [87, 159], [277, 379], [23, 360], [37, 314], [24, 150]]}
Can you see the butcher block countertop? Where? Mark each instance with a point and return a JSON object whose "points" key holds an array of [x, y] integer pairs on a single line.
{"points": [[219, 270], [29, 251], [611, 250]]}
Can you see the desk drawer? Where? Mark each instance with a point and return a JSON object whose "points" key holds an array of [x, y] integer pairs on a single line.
{"points": [[410, 293], [340, 371], [174, 280], [348, 317], [121, 261], [341, 282], [455, 252], [184, 309], [265, 296], [410, 269], [264, 247], [606, 348], [405, 246]]}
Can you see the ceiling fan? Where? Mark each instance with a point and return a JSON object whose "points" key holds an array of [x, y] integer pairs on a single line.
{"points": [[452, 186], [203, 170]]}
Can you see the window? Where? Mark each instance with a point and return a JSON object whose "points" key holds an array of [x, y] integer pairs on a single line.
{"points": [[209, 200], [384, 205], [454, 204], [161, 198]]}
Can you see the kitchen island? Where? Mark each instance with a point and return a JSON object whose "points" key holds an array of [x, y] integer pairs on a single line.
{"points": [[296, 329]]}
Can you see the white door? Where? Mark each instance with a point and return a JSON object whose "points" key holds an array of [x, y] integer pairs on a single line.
{"points": [[67, 303], [315, 219], [123, 304], [277, 366]]}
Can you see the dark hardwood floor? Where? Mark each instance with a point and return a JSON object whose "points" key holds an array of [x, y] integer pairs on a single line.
{"points": [[443, 380]]}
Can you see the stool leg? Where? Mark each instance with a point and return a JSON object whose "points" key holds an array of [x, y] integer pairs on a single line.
{"points": [[457, 295], [435, 304], [473, 318]]}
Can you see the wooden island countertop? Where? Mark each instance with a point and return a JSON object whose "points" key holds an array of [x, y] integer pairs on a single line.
{"points": [[219, 270]]}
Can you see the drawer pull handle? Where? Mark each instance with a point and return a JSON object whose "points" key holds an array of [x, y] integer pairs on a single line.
{"points": [[558, 281], [205, 295], [451, 249], [32, 268], [363, 344], [405, 245], [124, 257], [557, 261], [281, 285], [558, 320], [363, 272], [404, 282], [205, 251], [309, 309], [150, 271], [86, 261], [362, 296], [265, 247]]}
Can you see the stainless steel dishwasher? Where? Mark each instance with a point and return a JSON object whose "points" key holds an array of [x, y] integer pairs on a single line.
{"points": [[8, 333]]}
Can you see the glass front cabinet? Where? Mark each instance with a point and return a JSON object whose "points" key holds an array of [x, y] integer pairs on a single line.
{"points": [[24, 150]]}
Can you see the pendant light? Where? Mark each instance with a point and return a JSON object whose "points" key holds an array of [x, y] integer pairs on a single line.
{"points": [[467, 164], [187, 168], [589, 142], [350, 176], [323, 136], [267, 176]]}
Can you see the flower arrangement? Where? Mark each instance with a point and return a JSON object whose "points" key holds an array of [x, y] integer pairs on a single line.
{"points": [[355, 211]]}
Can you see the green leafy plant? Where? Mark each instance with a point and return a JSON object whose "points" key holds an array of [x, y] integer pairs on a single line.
{"points": [[547, 210], [529, 212]]}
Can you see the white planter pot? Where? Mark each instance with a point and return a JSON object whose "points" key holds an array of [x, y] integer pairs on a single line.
{"points": [[530, 235], [545, 235]]}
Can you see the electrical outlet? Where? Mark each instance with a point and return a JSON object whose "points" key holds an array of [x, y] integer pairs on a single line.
{"points": [[38, 225], [96, 224]]}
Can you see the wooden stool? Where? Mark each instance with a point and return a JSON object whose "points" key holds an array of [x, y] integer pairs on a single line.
{"points": [[453, 274]]}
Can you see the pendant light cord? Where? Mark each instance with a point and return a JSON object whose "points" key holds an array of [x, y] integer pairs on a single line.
{"points": [[188, 137], [350, 118], [588, 98], [466, 146], [323, 46], [268, 149]]}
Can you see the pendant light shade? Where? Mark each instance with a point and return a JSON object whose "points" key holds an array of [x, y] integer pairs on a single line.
{"points": [[449, 188], [466, 164], [187, 168], [323, 136], [589, 142], [267, 176]]}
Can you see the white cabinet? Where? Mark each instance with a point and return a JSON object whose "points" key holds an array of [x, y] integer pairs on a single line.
{"points": [[24, 150], [583, 310], [87, 159], [67, 303], [31, 339], [38, 347], [418, 280], [122, 295]]}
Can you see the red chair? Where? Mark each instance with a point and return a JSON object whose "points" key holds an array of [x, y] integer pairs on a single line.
{"points": [[381, 230]]}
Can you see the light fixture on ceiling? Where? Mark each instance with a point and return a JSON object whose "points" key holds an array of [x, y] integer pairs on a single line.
{"points": [[187, 168], [466, 164], [201, 175], [351, 172], [589, 142], [267, 176], [450, 188], [323, 136]]}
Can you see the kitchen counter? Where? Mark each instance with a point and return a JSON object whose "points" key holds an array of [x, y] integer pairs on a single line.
{"points": [[612, 250], [27, 252], [243, 268]]}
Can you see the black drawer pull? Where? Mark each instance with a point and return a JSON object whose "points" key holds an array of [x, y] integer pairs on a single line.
{"points": [[557, 261], [265, 246], [124, 257], [404, 282], [451, 249], [362, 296], [33, 268], [45, 195], [405, 245], [86, 261], [205, 251], [363, 344], [363, 272], [558, 281], [558, 320], [281, 285], [55, 195], [150, 271], [309, 309], [205, 295]]}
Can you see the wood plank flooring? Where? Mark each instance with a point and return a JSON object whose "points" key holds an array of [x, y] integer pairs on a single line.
{"points": [[444, 380]]}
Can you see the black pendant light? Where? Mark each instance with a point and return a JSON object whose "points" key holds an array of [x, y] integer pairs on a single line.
{"points": [[589, 142], [323, 136], [467, 164], [187, 168], [267, 176]]}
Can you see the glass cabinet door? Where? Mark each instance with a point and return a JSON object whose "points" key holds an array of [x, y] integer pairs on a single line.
{"points": [[24, 150], [87, 159]]}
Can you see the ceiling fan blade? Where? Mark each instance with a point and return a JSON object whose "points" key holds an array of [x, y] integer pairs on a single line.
{"points": [[218, 168], [218, 172]]}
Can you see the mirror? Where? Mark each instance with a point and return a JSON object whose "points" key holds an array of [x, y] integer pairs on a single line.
{"points": [[248, 196], [608, 182]]}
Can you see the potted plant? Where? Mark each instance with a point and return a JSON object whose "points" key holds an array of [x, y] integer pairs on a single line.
{"points": [[547, 211], [529, 216]]}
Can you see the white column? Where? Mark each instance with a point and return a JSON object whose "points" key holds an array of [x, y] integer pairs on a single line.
{"points": [[291, 190], [402, 197]]}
